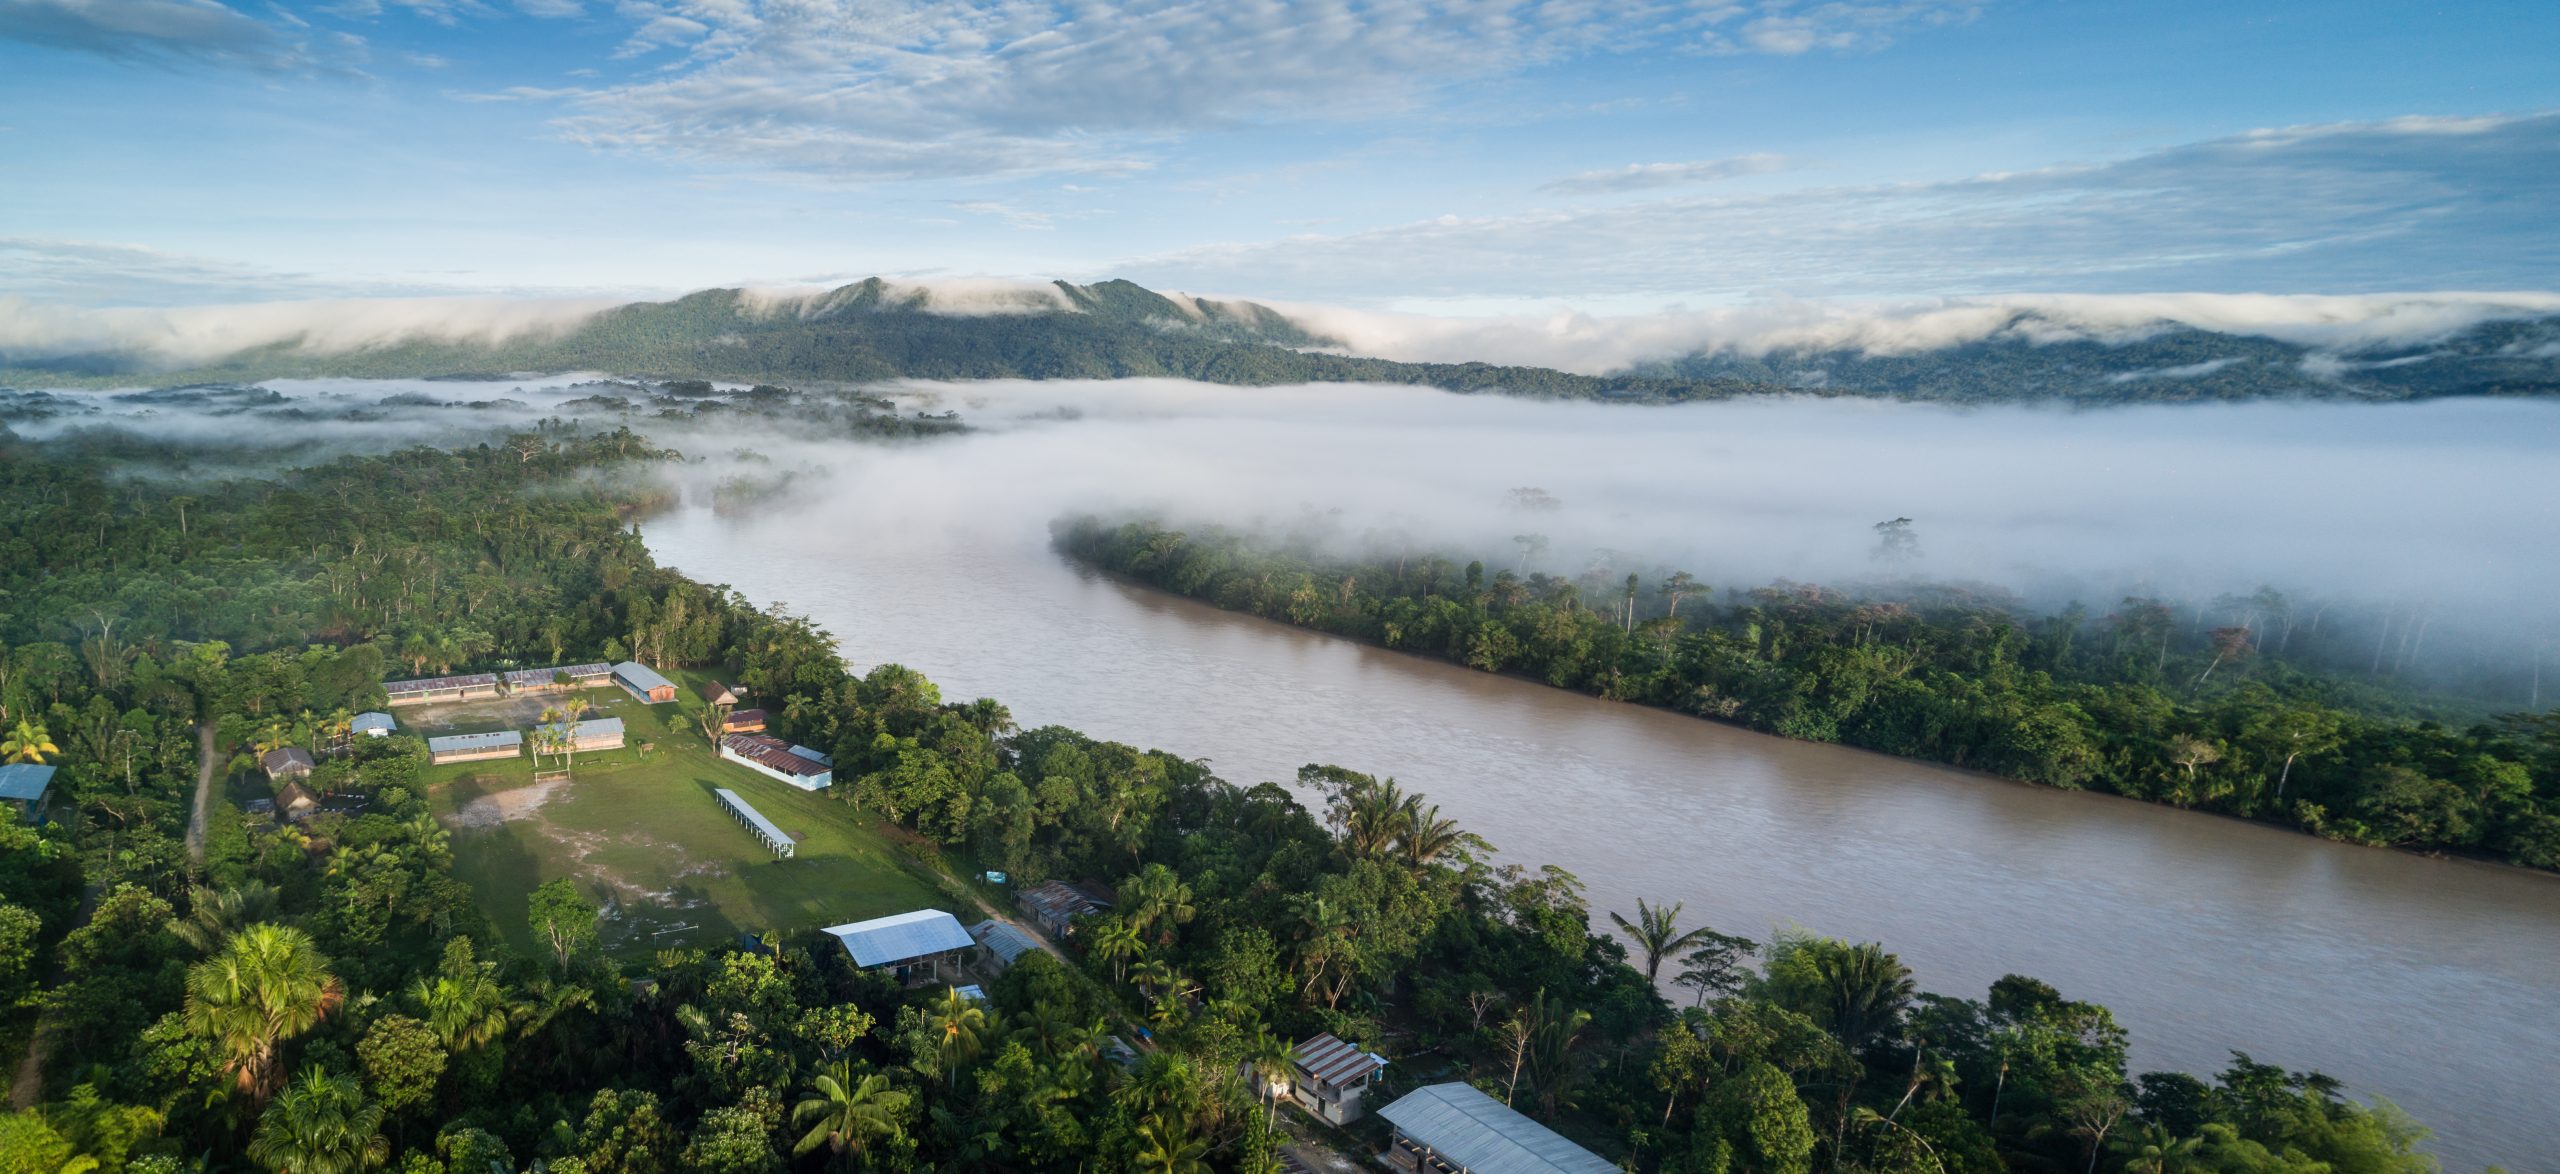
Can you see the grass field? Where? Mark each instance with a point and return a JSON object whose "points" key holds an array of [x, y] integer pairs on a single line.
{"points": [[642, 835]]}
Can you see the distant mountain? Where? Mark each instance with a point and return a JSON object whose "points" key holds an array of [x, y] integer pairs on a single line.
{"points": [[2173, 363], [875, 330]]}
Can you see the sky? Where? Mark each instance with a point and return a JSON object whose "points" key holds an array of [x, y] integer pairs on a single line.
{"points": [[1438, 156]]}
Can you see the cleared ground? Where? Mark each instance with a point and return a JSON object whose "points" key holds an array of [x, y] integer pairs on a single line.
{"points": [[642, 835]]}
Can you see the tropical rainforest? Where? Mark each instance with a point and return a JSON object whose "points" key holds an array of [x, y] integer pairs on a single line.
{"points": [[216, 991]]}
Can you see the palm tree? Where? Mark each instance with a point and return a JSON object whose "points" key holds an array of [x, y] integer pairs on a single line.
{"points": [[1168, 1148], [213, 916], [843, 1112], [1867, 989], [570, 711], [268, 985], [1374, 813], [1157, 899], [1117, 942], [321, 1125], [1270, 1055], [959, 1024], [28, 742], [1153, 975], [1656, 931], [1426, 837], [464, 1003]]}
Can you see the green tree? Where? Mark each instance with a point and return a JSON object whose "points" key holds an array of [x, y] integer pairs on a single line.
{"points": [[845, 1112], [463, 1002], [320, 1125], [959, 1030], [403, 1059], [1656, 932], [28, 742], [561, 919], [268, 985]]}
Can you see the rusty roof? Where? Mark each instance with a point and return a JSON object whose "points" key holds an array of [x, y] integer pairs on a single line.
{"points": [[771, 752], [433, 684], [1328, 1060]]}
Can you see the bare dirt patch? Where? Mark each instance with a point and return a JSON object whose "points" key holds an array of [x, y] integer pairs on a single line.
{"points": [[498, 807]]}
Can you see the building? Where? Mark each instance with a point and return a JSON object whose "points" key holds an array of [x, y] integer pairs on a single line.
{"points": [[25, 784], [425, 689], [743, 721], [1055, 905], [776, 759], [595, 733], [718, 694], [1453, 1129], [914, 945], [474, 747], [754, 821], [372, 724], [295, 803], [1003, 943], [286, 762], [644, 682], [971, 991], [1330, 1076], [581, 676]]}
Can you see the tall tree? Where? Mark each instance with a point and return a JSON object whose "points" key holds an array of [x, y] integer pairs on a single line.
{"points": [[844, 1112], [321, 1125], [1656, 932], [268, 985]]}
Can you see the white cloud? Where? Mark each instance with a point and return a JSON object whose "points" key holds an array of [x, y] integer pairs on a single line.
{"points": [[199, 32], [909, 88], [1642, 176], [2448, 203]]}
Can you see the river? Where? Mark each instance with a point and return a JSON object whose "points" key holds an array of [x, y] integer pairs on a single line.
{"points": [[2434, 983]]}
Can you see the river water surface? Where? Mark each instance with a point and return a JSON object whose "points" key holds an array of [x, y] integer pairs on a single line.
{"points": [[2435, 983]]}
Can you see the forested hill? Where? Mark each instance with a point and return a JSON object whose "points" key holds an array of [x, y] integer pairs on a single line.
{"points": [[873, 331], [2173, 364], [876, 330]]}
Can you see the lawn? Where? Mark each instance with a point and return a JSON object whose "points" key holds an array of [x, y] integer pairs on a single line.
{"points": [[643, 837]]}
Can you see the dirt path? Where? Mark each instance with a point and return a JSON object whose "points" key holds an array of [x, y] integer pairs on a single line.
{"points": [[198, 825]]}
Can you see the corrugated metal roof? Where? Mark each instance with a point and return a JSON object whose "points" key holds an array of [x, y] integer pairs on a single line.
{"points": [[488, 741], [438, 684], [972, 992], [1477, 1132], [25, 781], [772, 752], [882, 941], [820, 757], [372, 720], [522, 678], [754, 818], [1331, 1061], [1007, 942], [642, 677], [287, 756]]}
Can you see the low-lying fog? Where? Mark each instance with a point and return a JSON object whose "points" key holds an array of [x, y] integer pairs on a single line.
{"points": [[2439, 505]]}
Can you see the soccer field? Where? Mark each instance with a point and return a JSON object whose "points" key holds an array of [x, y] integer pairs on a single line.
{"points": [[642, 836]]}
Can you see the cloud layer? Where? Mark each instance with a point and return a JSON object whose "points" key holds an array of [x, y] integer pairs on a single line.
{"points": [[171, 32]]}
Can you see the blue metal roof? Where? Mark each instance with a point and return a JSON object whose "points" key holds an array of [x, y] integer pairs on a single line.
{"points": [[367, 722], [883, 941], [754, 818], [642, 677], [972, 992], [1007, 942], [488, 741], [25, 781], [1480, 1134]]}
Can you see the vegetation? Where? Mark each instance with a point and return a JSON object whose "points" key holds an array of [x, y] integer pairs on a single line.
{"points": [[2232, 712], [329, 997]]}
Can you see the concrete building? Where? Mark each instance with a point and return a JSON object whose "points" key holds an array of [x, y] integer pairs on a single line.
{"points": [[915, 946], [1328, 1077], [595, 733], [286, 762], [1453, 1129], [466, 687], [474, 747], [776, 759], [743, 721], [644, 682]]}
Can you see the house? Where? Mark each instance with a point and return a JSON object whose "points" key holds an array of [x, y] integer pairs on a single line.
{"points": [[1329, 1077], [286, 762], [580, 676], [644, 682], [776, 759], [426, 689], [1003, 943], [914, 945], [718, 694], [755, 821], [1454, 1129], [295, 803], [25, 784], [372, 724], [595, 733], [473, 747], [971, 991], [1055, 905], [743, 721]]}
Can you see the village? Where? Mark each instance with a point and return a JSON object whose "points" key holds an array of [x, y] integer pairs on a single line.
{"points": [[717, 868]]}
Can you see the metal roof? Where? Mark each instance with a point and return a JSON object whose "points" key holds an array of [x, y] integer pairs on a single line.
{"points": [[754, 818], [1474, 1131], [1004, 940], [1330, 1061], [488, 741], [592, 728], [372, 720], [820, 757], [438, 684], [577, 672], [284, 756], [642, 677], [25, 781], [882, 941], [771, 752], [972, 992]]}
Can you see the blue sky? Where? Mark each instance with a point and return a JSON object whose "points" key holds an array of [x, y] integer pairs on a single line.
{"points": [[1439, 154]]}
